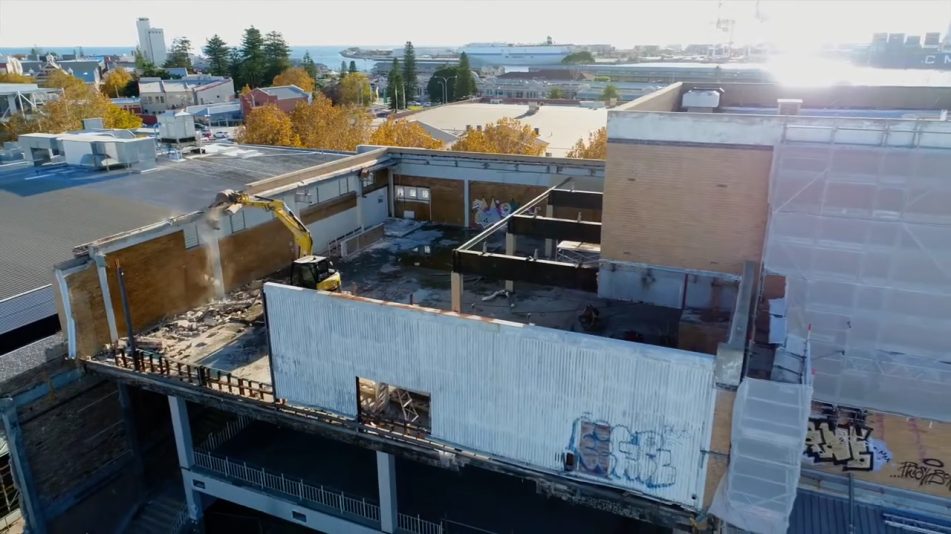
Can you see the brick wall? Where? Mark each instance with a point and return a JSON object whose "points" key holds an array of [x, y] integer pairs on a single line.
{"points": [[693, 207]]}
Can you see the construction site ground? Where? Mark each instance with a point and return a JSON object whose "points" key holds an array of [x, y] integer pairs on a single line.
{"points": [[410, 266]]}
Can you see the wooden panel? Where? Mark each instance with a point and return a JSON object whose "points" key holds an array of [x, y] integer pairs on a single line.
{"points": [[901, 452], [702, 337], [323, 210], [381, 179], [158, 272], [719, 443], [447, 200], [255, 253], [685, 206], [492, 201], [89, 314]]}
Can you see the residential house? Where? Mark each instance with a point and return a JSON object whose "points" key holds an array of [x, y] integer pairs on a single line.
{"points": [[285, 97], [161, 95]]}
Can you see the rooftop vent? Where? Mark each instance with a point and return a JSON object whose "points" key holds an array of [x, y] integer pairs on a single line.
{"points": [[701, 100], [788, 106]]}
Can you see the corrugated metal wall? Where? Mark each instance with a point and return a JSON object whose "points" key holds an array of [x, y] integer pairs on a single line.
{"points": [[635, 416]]}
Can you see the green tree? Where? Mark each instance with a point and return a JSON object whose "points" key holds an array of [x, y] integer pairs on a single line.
{"points": [[148, 69], [409, 70], [610, 91], [394, 86], [583, 57], [465, 82], [180, 55], [277, 55], [352, 68], [307, 63], [343, 69], [556, 92], [219, 56], [253, 66], [443, 84]]}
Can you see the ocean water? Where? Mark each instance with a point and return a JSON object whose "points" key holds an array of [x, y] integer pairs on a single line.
{"points": [[328, 55]]}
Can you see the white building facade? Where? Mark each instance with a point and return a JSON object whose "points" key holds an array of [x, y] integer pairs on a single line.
{"points": [[151, 41]]}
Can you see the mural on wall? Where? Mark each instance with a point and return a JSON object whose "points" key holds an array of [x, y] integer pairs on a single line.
{"points": [[615, 452], [927, 472], [848, 445]]}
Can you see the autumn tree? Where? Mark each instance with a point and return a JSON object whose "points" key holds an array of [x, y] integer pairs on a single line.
{"points": [[116, 82], [307, 63], [403, 133], [409, 70], [277, 55], [219, 56], [180, 54], [12, 77], [355, 90], [268, 125], [596, 147], [506, 136], [296, 76], [320, 124], [465, 82], [79, 101]]}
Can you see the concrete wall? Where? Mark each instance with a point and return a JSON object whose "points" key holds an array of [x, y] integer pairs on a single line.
{"points": [[666, 287], [666, 99], [635, 416], [690, 207], [215, 93]]}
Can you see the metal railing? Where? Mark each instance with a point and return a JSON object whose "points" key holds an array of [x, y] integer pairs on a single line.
{"points": [[333, 501], [231, 429], [198, 375], [181, 521]]}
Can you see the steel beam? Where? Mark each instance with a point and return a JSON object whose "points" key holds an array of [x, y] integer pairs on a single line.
{"points": [[558, 229], [505, 267], [564, 198]]}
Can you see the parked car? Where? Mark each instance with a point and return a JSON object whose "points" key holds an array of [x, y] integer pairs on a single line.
{"points": [[221, 135]]}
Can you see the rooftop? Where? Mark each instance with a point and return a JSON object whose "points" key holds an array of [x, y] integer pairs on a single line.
{"points": [[284, 92], [559, 126], [46, 211]]}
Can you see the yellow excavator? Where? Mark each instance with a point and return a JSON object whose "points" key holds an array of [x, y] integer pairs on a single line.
{"points": [[308, 270]]}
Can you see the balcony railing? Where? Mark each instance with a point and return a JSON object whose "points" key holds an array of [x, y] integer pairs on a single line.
{"points": [[320, 498]]}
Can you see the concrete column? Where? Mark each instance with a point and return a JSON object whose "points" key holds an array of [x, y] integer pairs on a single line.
{"points": [[455, 281], [386, 477], [549, 243], [510, 241], [466, 201], [186, 457], [22, 475], [359, 201], [391, 192], [131, 429]]}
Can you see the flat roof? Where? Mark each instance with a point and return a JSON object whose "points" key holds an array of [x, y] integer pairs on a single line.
{"points": [[46, 211], [559, 126]]}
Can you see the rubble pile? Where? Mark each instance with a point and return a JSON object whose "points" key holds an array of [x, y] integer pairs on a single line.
{"points": [[234, 307]]}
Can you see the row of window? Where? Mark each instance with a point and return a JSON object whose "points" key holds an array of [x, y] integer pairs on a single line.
{"points": [[412, 194]]}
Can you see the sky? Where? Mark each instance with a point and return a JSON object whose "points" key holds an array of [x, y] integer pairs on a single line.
{"points": [[622, 23]]}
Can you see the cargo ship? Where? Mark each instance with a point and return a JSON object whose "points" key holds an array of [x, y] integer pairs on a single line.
{"points": [[507, 54], [901, 51]]}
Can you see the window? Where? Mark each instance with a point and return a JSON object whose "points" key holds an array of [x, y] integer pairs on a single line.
{"points": [[393, 407], [412, 194]]}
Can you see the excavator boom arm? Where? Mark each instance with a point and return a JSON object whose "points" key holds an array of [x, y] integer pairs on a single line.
{"points": [[280, 210]]}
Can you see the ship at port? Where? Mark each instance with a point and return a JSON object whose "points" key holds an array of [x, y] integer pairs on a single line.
{"points": [[901, 51], [508, 54]]}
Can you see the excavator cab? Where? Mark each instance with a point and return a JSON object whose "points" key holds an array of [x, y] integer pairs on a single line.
{"points": [[315, 272]]}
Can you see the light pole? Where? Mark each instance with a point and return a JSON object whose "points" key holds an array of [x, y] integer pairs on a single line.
{"points": [[445, 84]]}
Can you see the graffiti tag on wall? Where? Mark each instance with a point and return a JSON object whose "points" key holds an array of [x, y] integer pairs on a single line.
{"points": [[930, 471], [486, 214], [847, 445], [618, 453]]}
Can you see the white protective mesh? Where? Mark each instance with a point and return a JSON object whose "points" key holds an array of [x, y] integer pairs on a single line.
{"points": [[769, 428], [863, 236]]}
